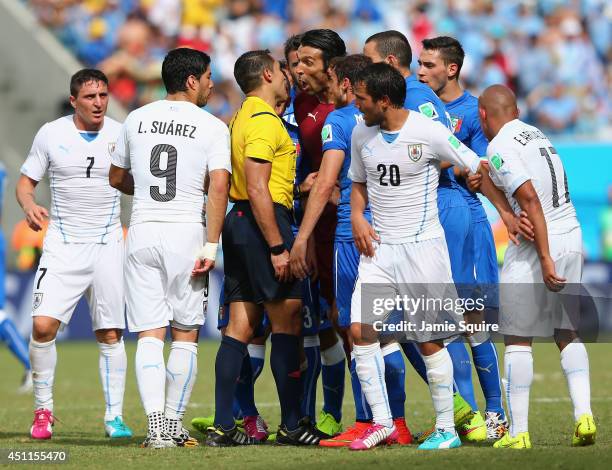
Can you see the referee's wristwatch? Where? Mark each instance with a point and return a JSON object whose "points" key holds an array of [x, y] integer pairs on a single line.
{"points": [[277, 249]]}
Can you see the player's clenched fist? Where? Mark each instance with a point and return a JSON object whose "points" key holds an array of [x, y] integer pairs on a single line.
{"points": [[35, 216], [364, 234]]}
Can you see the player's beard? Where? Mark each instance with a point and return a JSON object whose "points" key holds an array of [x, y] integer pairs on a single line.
{"points": [[203, 99]]}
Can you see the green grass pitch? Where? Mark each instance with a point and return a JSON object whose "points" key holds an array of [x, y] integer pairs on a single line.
{"points": [[79, 406]]}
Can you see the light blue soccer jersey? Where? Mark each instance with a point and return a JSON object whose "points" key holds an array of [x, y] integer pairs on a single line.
{"points": [[336, 135]]}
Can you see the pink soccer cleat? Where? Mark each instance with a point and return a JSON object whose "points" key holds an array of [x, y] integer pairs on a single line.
{"points": [[256, 427], [42, 426], [375, 435]]}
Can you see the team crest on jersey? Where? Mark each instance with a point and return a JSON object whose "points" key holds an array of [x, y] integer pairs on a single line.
{"points": [[456, 122], [326, 134], [415, 152], [37, 300], [111, 147], [429, 110]]}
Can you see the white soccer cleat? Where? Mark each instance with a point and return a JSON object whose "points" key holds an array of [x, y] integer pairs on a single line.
{"points": [[158, 440]]}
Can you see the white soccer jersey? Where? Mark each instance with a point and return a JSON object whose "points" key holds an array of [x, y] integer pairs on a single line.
{"points": [[169, 145], [521, 152], [84, 207], [402, 176]]}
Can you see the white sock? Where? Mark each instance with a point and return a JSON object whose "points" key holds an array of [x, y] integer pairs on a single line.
{"points": [[575, 365], [181, 372], [113, 367], [333, 355], [440, 379], [257, 351], [518, 365], [370, 367], [151, 374], [43, 357]]}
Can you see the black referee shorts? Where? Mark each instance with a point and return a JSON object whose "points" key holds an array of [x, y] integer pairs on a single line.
{"points": [[249, 274]]}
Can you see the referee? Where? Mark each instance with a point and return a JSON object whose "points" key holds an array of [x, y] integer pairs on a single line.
{"points": [[257, 238]]}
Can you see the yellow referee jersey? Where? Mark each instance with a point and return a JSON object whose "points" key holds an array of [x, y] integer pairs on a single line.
{"points": [[257, 132]]}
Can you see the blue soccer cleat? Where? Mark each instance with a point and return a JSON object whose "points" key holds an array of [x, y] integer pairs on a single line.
{"points": [[441, 440], [117, 428]]}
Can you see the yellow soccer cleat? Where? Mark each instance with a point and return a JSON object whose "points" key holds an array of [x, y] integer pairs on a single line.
{"points": [[473, 429], [521, 441], [585, 432]]}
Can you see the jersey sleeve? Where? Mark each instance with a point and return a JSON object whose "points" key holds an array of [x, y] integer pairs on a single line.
{"points": [[420, 101], [261, 136], [219, 153], [446, 147], [506, 168], [333, 136], [37, 162], [120, 155], [357, 172]]}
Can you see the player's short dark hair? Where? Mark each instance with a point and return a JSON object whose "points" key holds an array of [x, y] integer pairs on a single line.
{"points": [[327, 41], [179, 64], [393, 43], [292, 44], [450, 50], [349, 66], [382, 80], [249, 67], [84, 76]]}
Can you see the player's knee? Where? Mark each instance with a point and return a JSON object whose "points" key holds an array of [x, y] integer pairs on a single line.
{"points": [[44, 329], [565, 337], [109, 336]]}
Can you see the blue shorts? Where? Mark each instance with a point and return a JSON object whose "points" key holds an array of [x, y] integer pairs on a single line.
{"points": [[311, 304], [456, 219], [223, 316], [485, 261], [346, 264]]}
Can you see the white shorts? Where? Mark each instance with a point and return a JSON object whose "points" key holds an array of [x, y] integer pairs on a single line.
{"points": [[527, 307], [415, 270], [159, 286], [67, 271]]}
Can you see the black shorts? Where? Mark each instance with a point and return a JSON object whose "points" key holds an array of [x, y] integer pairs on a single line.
{"points": [[249, 274]]}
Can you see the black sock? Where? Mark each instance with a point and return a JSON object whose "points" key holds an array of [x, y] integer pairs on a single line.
{"points": [[227, 369], [285, 364]]}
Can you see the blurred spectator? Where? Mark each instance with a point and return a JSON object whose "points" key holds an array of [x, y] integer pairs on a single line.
{"points": [[558, 111], [526, 44]]}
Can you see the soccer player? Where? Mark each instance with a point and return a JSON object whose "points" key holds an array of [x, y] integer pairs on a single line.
{"points": [[257, 238], [164, 152], [393, 48], [8, 330], [311, 107], [395, 166], [83, 248], [440, 64], [524, 163]]}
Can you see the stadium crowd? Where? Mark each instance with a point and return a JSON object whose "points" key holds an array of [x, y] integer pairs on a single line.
{"points": [[555, 54]]}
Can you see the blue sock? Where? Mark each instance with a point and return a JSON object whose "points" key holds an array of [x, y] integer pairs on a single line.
{"points": [[333, 367], [411, 350], [285, 365], [363, 412], [228, 366], [309, 381], [15, 342], [487, 367], [244, 402], [395, 378], [462, 371]]}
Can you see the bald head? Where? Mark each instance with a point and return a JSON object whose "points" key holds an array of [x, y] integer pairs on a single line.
{"points": [[496, 106]]}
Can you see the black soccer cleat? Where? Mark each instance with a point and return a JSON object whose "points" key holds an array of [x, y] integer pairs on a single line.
{"points": [[304, 435], [217, 437]]}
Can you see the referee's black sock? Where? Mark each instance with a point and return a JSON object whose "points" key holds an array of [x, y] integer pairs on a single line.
{"points": [[227, 370], [285, 364]]}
